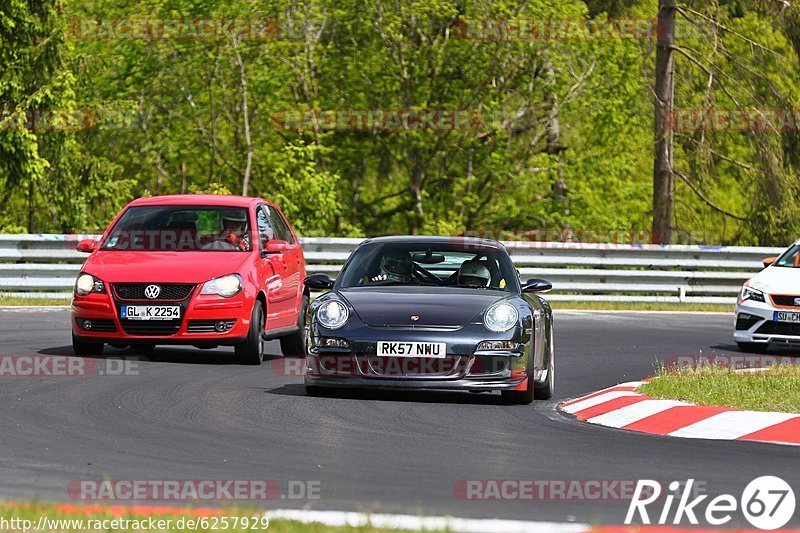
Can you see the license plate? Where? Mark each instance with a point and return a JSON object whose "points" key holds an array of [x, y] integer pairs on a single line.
{"points": [[151, 312], [436, 350], [786, 316]]}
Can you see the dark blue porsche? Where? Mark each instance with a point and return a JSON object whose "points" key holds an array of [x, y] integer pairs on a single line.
{"points": [[446, 313]]}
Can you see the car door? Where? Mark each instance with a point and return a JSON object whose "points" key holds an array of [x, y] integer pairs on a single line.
{"points": [[273, 272], [293, 258]]}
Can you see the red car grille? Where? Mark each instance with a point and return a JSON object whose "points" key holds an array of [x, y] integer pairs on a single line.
{"points": [[169, 291]]}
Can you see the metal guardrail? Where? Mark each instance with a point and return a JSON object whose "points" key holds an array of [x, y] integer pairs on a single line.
{"points": [[46, 266]]}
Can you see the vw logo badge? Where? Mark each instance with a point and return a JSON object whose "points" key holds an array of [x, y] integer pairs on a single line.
{"points": [[152, 291]]}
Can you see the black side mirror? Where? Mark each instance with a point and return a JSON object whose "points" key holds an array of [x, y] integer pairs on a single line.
{"points": [[537, 285], [321, 282]]}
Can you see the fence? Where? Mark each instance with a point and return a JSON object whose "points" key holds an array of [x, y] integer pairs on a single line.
{"points": [[47, 265]]}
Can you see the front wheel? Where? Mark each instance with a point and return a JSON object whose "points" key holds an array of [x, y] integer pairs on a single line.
{"points": [[519, 397], [81, 347], [251, 350], [544, 391], [294, 345]]}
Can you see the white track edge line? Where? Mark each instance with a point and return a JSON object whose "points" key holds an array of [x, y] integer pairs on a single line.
{"points": [[421, 523]]}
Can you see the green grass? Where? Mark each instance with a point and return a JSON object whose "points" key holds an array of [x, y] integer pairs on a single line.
{"points": [[642, 306], [72, 512], [776, 389], [15, 300]]}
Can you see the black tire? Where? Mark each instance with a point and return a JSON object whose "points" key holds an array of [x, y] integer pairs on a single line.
{"points": [[519, 397], [294, 345], [81, 347], [544, 391], [251, 351], [753, 347]]}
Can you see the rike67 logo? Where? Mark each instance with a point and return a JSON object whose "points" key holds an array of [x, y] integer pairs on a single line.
{"points": [[768, 503]]}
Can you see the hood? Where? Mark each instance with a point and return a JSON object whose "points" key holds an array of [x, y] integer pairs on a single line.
{"points": [[164, 267], [777, 280], [435, 306]]}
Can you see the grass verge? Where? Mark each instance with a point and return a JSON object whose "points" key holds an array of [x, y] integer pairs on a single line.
{"points": [[15, 300], [67, 518], [642, 306], [775, 389]]}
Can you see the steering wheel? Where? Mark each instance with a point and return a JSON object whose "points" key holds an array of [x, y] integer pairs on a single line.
{"points": [[424, 275]]}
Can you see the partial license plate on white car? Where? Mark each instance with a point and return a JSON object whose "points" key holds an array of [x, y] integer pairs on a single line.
{"points": [[436, 350], [786, 316], [151, 312]]}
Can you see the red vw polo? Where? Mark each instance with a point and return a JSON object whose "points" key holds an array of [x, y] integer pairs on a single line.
{"points": [[202, 270]]}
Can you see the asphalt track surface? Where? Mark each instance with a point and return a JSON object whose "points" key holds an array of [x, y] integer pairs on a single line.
{"points": [[196, 414]]}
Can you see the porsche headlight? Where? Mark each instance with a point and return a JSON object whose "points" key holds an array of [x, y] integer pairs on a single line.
{"points": [[226, 286], [333, 314], [501, 317], [87, 283], [749, 293]]}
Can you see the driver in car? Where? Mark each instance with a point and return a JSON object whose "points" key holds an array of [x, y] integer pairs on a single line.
{"points": [[396, 266], [474, 274], [234, 232]]}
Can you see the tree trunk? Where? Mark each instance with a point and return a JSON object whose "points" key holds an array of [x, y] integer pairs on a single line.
{"points": [[31, 207], [663, 177]]}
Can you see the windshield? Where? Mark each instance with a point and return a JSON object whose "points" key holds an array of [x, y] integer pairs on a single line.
{"points": [[438, 265], [181, 228], [790, 258]]}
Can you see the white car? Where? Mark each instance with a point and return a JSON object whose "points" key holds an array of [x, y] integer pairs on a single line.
{"points": [[768, 308]]}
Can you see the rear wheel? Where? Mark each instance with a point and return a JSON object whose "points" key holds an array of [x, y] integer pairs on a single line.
{"points": [[753, 347], [294, 345], [81, 347], [251, 351]]}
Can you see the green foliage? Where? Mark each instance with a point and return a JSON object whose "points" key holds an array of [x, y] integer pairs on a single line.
{"points": [[198, 115]]}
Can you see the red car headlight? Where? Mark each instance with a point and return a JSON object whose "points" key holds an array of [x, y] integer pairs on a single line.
{"points": [[226, 286], [86, 283]]}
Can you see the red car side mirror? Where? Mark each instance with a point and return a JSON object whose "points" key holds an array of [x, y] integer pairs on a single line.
{"points": [[86, 245], [277, 246]]}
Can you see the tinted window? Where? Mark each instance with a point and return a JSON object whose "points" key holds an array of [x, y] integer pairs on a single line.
{"points": [[266, 232], [790, 258], [281, 226]]}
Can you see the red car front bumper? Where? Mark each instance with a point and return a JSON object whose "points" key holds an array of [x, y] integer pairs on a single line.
{"points": [[205, 320]]}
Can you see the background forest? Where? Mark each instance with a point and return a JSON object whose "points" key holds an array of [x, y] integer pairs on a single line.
{"points": [[564, 144]]}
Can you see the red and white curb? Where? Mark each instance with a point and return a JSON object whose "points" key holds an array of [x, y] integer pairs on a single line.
{"points": [[622, 407]]}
